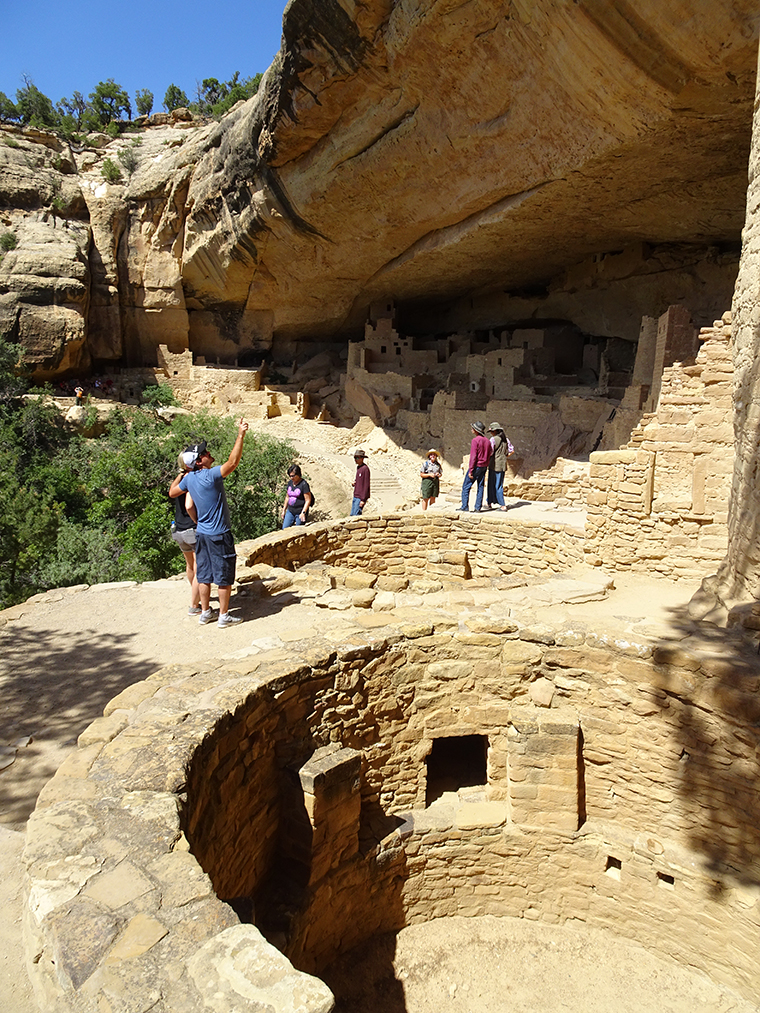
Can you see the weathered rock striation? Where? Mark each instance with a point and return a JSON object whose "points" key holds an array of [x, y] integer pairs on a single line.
{"points": [[461, 159]]}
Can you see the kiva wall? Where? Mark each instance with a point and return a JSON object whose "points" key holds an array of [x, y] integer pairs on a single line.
{"points": [[620, 790]]}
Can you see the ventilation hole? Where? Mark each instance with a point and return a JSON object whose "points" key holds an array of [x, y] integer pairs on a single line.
{"points": [[455, 762], [613, 867], [666, 881]]}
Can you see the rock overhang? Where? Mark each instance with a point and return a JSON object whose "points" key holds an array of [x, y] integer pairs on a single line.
{"points": [[610, 128]]}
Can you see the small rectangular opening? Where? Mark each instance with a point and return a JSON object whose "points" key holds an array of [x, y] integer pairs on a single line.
{"points": [[666, 881], [613, 867], [458, 761]]}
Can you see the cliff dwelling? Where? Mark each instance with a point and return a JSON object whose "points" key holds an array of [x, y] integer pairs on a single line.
{"points": [[543, 213]]}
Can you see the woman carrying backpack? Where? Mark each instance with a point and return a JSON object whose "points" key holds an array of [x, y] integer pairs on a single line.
{"points": [[501, 450]]}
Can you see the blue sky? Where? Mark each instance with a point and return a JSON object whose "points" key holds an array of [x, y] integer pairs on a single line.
{"points": [[71, 45]]}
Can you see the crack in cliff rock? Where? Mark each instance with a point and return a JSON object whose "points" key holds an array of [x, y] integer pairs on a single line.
{"points": [[620, 24], [452, 233], [400, 121]]}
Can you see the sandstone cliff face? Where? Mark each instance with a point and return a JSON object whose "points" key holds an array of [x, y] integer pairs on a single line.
{"points": [[460, 158], [739, 576], [437, 149]]}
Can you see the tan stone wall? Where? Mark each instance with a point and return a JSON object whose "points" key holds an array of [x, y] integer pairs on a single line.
{"points": [[412, 545], [661, 503]]}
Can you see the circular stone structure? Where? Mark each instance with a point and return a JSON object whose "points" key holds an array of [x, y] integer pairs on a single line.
{"points": [[224, 833]]}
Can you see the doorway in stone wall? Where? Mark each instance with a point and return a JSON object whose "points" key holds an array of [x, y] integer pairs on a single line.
{"points": [[454, 762]]}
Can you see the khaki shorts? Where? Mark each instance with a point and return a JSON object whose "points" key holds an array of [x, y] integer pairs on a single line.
{"points": [[185, 539]]}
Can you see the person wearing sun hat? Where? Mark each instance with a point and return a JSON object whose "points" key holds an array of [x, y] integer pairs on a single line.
{"points": [[430, 472], [480, 455], [361, 483]]}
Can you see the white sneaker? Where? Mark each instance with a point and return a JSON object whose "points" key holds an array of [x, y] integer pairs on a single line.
{"points": [[206, 617], [227, 620]]}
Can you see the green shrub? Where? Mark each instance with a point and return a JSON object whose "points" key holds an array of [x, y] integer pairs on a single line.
{"points": [[76, 510], [12, 142], [8, 242], [159, 395], [129, 159], [110, 171], [112, 129]]}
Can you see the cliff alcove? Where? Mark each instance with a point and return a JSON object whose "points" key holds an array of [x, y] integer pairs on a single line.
{"points": [[481, 164]]}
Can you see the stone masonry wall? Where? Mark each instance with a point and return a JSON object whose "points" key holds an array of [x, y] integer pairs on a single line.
{"points": [[425, 545], [660, 504], [620, 791]]}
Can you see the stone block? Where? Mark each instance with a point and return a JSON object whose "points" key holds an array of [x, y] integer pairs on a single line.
{"points": [[238, 969], [477, 815], [518, 652], [542, 692], [358, 580]]}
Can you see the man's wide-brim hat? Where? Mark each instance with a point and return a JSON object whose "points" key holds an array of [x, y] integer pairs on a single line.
{"points": [[479, 428], [359, 452]]}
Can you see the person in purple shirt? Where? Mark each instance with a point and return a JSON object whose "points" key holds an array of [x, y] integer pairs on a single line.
{"points": [[480, 455], [361, 484], [214, 545]]}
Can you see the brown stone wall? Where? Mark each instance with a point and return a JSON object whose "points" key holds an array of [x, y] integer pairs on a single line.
{"points": [[661, 503], [410, 544]]}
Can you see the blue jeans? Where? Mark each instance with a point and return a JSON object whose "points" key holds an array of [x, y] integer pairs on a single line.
{"points": [[495, 487], [478, 479], [356, 507], [290, 519]]}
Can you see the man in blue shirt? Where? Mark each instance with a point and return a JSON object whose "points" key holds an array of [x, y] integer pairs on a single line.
{"points": [[214, 544]]}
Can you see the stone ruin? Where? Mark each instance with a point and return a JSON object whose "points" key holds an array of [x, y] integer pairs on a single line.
{"points": [[222, 834], [607, 777]]}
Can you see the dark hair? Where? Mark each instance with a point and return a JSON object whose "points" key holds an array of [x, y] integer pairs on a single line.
{"points": [[294, 469]]}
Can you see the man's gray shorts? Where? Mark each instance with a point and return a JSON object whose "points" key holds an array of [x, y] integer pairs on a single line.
{"points": [[215, 559], [185, 539]]}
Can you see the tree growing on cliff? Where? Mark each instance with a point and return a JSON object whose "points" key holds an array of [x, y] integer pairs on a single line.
{"points": [[35, 109], [215, 98], [143, 101], [110, 171], [74, 107], [8, 110], [174, 98], [109, 101]]}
